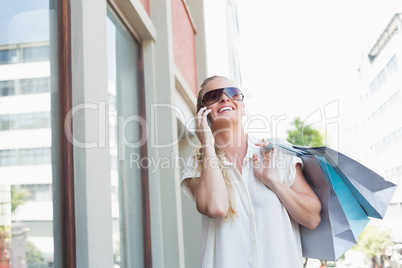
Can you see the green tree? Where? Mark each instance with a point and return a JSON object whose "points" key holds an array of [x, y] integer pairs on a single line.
{"points": [[18, 197], [33, 255], [373, 241], [304, 135]]}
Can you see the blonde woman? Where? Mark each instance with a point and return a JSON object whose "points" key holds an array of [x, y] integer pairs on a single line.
{"points": [[252, 201]]}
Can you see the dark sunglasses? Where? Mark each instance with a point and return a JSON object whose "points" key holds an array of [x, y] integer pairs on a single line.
{"points": [[215, 95]]}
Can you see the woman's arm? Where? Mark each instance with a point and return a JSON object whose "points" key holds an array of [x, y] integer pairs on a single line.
{"points": [[210, 192], [299, 200]]}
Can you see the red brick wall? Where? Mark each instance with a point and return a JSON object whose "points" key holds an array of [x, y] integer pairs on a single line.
{"points": [[145, 3], [184, 43]]}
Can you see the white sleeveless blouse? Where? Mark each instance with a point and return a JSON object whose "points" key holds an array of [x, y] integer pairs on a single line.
{"points": [[263, 235]]}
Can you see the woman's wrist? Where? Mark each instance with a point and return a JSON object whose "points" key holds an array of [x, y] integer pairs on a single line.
{"points": [[272, 183], [209, 150], [209, 157]]}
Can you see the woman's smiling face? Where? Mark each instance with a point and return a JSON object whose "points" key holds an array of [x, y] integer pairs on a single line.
{"points": [[225, 109]]}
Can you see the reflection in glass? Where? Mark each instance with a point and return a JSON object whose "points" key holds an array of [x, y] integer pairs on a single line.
{"points": [[123, 71], [26, 206]]}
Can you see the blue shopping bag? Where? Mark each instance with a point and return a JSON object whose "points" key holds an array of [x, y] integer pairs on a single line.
{"points": [[371, 190], [355, 214], [334, 235], [349, 193]]}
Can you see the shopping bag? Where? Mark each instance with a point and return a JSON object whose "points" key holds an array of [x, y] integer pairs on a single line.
{"points": [[372, 191], [355, 214], [334, 235], [349, 192]]}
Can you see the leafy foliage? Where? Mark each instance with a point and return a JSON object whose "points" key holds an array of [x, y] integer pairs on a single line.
{"points": [[18, 197], [373, 241], [304, 135], [5, 234], [33, 254]]}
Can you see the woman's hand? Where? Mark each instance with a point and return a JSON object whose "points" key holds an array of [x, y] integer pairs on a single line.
{"points": [[210, 192], [265, 170], [202, 129], [299, 199]]}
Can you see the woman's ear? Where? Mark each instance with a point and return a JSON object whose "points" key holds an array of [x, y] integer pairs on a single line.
{"points": [[244, 110]]}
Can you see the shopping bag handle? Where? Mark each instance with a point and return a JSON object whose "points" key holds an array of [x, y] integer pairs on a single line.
{"points": [[293, 150]]}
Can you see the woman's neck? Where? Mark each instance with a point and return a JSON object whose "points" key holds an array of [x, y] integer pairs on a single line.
{"points": [[233, 143]]}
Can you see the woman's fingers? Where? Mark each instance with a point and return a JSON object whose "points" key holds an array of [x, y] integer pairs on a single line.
{"points": [[206, 113], [262, 144], [268, 159], [258, 171], [202, 117], [199, 116], [256, 163], [200, 113], [203, 130], [201, 110]]}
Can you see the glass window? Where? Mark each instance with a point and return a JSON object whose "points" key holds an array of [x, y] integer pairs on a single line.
{"points": [[38, 192], [4, 56], [27, 86], [28, 36], [6, 121], [382, 77], [41, 85], [36, 53], [392, 65], [24, 121], [34, 156], [21, 157], [7, 88], [34, 120], [27, 157], [8, 158], [123, 62], [374, 86], [8, 56]]}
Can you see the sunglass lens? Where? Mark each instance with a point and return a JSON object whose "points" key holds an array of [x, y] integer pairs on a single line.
{"points": [[233, 93], [212, 96]]}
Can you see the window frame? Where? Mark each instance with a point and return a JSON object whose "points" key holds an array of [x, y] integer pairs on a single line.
{"points": [[66, 155], [66, 150], [146, 217]]}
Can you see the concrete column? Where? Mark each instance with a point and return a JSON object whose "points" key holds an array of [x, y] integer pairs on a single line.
{"points": [[91, 165], [153, 175], [164, 136]]}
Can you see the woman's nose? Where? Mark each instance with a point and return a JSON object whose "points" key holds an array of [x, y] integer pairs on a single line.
{"points": [[224, 97]]}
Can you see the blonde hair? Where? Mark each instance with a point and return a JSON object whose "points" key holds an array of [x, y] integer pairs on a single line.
{"points": [[198, 156]]}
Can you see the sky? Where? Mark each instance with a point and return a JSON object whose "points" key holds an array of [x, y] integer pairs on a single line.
{"points": [[24, 21], [301, 58]]}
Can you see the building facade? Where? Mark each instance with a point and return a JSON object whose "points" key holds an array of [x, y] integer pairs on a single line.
{"points": [[381, 113], [96, 106]]}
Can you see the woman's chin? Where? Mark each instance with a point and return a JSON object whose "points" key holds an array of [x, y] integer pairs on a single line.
{"points": [[226, 121]]}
